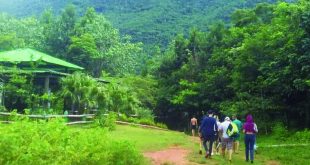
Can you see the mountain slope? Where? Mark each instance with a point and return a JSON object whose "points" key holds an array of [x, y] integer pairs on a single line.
{"points": [[149, 21]]}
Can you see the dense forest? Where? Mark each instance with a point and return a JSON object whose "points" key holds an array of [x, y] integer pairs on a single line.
{"points": [[256, 60], [151, 22]]}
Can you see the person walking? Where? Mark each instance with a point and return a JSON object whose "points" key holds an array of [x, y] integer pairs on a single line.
{"points": [[236, 139], [199, 133], [193, 125], [227, 141], [249, 129], [217, 140], [208, 129]]}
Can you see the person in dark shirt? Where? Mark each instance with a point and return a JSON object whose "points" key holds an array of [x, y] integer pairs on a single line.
{"points": [[208, 130]]}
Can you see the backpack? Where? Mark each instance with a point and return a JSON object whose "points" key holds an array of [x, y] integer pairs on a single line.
{"points": [[232, 130]]}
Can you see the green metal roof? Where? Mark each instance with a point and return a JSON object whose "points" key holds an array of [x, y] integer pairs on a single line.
{"points": [[30, 55]]}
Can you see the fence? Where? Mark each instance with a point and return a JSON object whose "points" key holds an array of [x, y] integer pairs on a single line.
{"points": [[72, 119]]}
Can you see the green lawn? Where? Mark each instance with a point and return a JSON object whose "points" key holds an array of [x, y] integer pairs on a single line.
{"points": [[153, 140], [150, 139]]}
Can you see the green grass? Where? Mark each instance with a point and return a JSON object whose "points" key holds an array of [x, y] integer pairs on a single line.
{"points": [[238, 159], [150, 139], [298, 155], [153, 140]]}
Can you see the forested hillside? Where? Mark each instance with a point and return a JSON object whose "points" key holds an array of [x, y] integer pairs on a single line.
{"points": [[258, 64], [148, 21]]}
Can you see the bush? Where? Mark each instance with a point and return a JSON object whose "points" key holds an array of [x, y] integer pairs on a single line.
{"points": [[52, 142], [108, 121], [145, 113], [302, 136], [279, 131]]}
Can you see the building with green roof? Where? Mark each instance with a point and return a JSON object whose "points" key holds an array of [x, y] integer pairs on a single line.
{"points": [[45, 69]]}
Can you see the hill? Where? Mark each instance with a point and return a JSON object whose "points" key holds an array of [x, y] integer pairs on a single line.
{"points": [[149, 21]]}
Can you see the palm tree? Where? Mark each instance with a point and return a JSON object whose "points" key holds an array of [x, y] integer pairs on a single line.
{"points": [[78, 89]]}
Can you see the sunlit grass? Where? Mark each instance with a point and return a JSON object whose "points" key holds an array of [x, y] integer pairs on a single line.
{"points": [[150, 139], [154, 140]]}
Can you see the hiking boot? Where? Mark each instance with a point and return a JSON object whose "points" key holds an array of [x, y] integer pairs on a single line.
{"points": [[207, 155]]}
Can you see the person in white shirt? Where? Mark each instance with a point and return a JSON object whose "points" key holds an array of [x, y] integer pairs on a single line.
{"points": [[227, 142]]}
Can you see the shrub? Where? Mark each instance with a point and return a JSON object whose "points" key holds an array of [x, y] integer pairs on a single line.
{"points": [[279, 131], [107, 121], [145, 113], [52, 142], [302, 136]]}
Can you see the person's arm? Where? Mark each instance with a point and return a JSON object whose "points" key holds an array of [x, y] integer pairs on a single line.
{"points": [[215, 126], [202, 125], [243, 130], [255, 128]]}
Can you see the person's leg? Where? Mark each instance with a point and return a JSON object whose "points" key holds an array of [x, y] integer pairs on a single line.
{"points": [[200, 146], [246, 142], [230, 149], [234, 146], [210, 147], [205, 146], [237, 146], [224, 144], [218, 145], [251, 146], [214, 148], [193, 132]]}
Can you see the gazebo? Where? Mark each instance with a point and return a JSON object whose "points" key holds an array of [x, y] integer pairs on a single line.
{"points": [[45, 68]]}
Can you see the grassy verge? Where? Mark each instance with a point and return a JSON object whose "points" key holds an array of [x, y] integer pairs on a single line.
{"points": [[150, 139], [286, 155]]}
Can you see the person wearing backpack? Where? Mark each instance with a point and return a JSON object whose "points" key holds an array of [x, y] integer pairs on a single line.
{"points": [[208, 131], [237, 137], [250, 129], [227, 142]]}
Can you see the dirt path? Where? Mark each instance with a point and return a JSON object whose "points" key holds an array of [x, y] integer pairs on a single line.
{"points": [[173, 155]]}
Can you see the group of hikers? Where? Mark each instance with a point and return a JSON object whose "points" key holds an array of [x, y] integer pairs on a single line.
{"points": [[225, 134]]}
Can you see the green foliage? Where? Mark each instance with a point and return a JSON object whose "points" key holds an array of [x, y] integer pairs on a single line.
{"points": [[19, 90], [81, 91], [107, 121], [156, 21], [257, 65], [301, 136], [10, 41], [280, 132], [53, 142]]}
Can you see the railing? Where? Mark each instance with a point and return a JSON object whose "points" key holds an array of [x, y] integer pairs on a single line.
{"points": [[88, 118], [72, 119]]}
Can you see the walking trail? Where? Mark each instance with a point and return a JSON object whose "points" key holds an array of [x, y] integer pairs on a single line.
{"points": [[177, 155], [173, 155]]}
